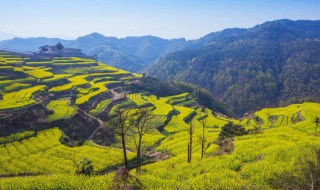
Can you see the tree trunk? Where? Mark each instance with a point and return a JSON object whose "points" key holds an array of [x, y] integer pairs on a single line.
{"points": [[312, 181], [138, 165], [124, 152], [188, 152], [202, 143], [190, 144]]}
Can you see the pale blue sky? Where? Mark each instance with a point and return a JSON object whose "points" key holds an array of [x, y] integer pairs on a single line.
{"points": [[164, 18]]}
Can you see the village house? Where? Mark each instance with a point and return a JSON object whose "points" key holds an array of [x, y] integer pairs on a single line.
{"points": [[58, 49]]}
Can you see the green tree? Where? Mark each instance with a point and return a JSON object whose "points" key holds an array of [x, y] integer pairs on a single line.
{"points": [[230, 130], [59, 46], [84, 167]]}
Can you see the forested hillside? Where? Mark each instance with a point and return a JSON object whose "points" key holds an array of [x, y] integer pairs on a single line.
{"points": [[272, 64]]}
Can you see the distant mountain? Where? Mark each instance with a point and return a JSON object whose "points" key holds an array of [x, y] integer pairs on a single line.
{"points": [[271, 64], [29, 44], [130, 53], [5, 36]]}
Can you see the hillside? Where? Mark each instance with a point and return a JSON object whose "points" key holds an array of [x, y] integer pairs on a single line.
{"points": [[272, 64], [130, 53], [56, 112]]}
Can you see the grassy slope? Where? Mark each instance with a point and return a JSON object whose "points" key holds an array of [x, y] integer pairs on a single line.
{"points": [[256, 162]]}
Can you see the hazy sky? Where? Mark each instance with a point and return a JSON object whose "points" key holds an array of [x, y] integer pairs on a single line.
{"points": [[164, 18]]}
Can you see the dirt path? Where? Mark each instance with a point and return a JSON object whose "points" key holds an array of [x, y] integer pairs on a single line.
{"points": [[94, 132], [101, 124], [116, 96]]}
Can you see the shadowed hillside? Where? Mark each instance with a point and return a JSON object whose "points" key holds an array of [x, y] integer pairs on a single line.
{"points": [[275, 63]]}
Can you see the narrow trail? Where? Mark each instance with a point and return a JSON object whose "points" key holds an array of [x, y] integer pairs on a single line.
{"points": [[116, 96], [101, 124], [94, 132]]}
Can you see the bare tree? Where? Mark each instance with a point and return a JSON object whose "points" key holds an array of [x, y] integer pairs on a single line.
{"points": [[76, 164], [190, 141], [143, 122], [121, 124], [202, 138], [316, 121]]}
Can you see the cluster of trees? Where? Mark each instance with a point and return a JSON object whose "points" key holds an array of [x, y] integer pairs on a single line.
{"points": [[133, 123], [138, 122], [231, 130]]}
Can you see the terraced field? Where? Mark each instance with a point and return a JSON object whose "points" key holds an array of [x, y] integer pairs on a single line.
{"points": [[18, 99], [256, 162], [61, 109], [52, 75], [66, 105], [44, 154]]}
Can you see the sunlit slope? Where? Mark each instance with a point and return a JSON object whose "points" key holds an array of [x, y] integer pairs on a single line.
{"points": [[171, 142], [22, 78], [297, 116], [257, 162], [44, 154]]}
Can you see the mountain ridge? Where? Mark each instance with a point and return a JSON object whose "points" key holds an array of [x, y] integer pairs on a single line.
{"points": [[272, 64]]}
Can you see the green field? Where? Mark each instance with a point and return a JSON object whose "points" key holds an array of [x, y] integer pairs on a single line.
{"points": [[18, 99]]}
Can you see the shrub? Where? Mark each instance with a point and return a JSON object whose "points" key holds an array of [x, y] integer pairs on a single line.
{"points": [[230, 130]]}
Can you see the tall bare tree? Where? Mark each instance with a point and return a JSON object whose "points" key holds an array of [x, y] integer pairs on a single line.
{"points": [[190, 141], [143, 122], [202, 138], [121, 126]]}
